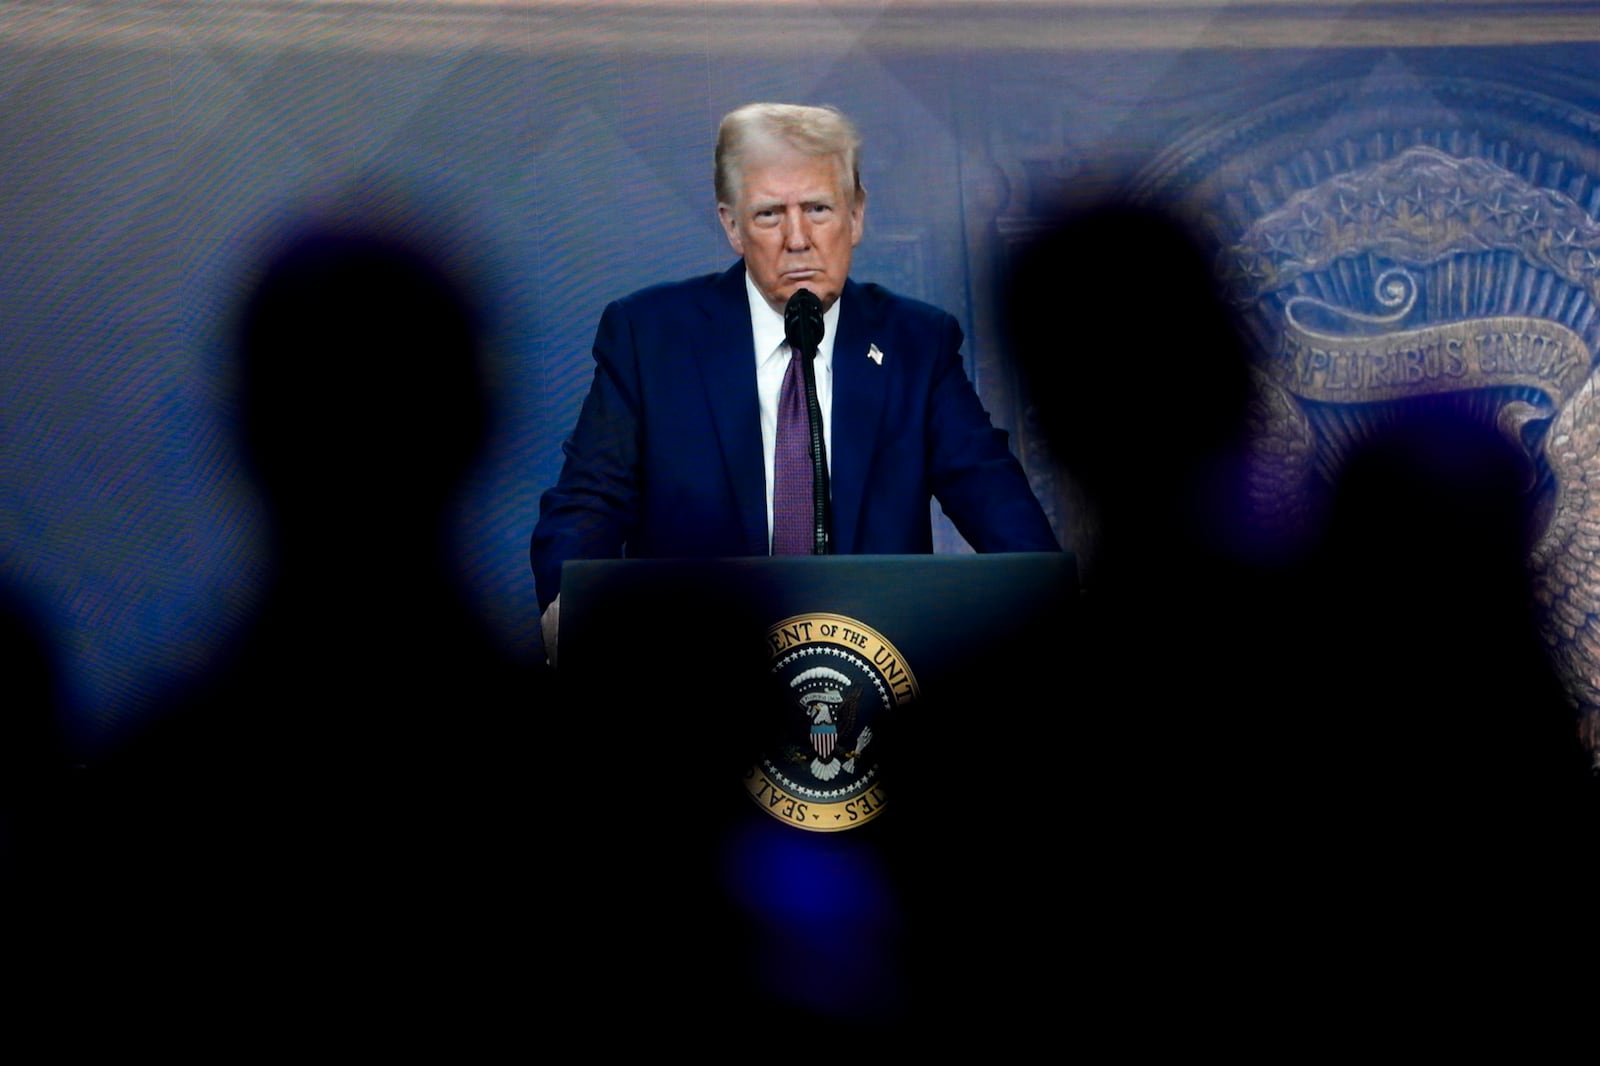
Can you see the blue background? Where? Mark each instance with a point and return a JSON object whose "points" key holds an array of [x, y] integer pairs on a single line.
{"points": [[555, 156]]}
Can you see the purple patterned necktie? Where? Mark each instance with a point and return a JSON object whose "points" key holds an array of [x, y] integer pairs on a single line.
{"points": [[793, 516]]}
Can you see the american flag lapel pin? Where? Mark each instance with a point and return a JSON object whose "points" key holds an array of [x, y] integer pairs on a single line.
{"points": [[874, 354]]}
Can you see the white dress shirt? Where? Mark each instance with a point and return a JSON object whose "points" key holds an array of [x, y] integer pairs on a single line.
{"points": [[772, 361]]}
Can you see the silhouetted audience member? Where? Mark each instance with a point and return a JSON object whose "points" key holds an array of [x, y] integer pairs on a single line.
{"points": [[343, 799], [1176, 731], [1347, 759], [36, 793], [1456, 811], [31, 748], [1141, 383]]}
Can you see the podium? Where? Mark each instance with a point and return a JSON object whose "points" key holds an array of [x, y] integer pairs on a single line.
{"points": [[814, 774], [940, 610], [881, 640]]}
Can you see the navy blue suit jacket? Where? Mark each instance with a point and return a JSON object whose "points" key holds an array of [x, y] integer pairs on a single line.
{"points": [[666, 459]]}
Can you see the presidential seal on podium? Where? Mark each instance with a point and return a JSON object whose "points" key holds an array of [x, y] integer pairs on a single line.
{"points": [[834, 680]]}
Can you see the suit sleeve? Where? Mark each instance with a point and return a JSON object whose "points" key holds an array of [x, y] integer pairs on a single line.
{"points": [[976, 479], [593, 507]]}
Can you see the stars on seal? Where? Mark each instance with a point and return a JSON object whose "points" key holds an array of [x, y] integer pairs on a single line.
{"points": [[1307, 230], [1251, 267], [822, 794], [1418, 202], [1383, 207], [1279, 244], [1496, 210], [1456, 203]]}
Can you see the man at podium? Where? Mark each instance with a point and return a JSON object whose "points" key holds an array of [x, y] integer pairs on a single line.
{"points": [[704, 436]]}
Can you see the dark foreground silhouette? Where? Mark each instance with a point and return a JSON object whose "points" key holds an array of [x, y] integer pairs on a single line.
{"points": [[336, 813], [1348, 761]]}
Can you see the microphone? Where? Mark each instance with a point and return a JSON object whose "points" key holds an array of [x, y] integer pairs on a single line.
{"points": [[802, 328], [802, 322]]}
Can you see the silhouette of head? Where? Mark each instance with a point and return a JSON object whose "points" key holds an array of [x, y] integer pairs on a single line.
{"points": [[359, 376]]}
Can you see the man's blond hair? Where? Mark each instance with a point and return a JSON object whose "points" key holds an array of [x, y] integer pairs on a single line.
{"points": [[817, 131]]}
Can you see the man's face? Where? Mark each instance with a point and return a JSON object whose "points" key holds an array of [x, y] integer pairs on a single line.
{"points": [[795, 223]]}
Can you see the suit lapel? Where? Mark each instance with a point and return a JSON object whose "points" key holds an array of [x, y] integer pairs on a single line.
{"points": [[728, 373], [859, 387]]}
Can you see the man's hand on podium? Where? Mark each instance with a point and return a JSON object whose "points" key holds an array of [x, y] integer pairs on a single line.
{"points": [[549, 623]]}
